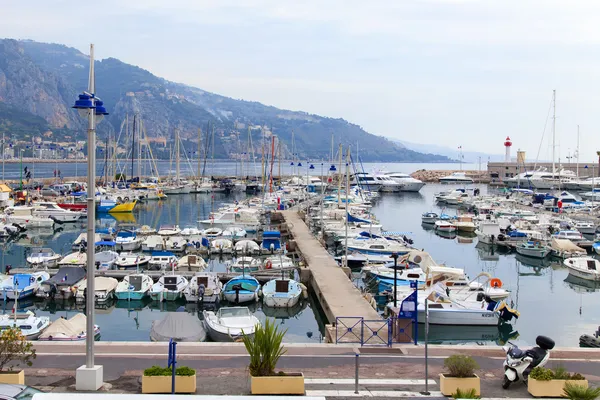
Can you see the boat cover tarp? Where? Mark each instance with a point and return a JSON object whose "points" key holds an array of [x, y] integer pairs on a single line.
{"points": [[429, 266], [67, 276], [180, 326], [352, 218], [517, 234], [565, 245], [102, 283], [69, 328]]}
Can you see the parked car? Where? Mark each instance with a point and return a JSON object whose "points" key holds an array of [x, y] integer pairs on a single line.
{"points": [[17, 392], [49, 192]]}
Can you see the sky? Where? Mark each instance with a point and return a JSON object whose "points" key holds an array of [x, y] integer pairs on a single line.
{"points": [[446, 72]]}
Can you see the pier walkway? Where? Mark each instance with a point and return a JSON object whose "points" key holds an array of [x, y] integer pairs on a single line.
{"points": [[336, 293]]}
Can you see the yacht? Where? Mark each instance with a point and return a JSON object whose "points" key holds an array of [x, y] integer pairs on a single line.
{"points": [[365, 181], [52, 210], [456, 177], [43, 257], [388, 184], [542, 179], [24, 216], [377, 246], [409, 184]]}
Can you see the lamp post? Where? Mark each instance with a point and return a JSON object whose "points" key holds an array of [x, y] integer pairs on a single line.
{"points": [[21, 168], [395, 257], [90, 376]]}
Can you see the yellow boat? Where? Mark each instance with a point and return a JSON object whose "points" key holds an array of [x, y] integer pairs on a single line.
{"points": [[123, 207]]}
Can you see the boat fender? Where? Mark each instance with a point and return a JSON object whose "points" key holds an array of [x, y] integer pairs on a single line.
{"points": [[269, 264], [304, 290], [496, 283]]}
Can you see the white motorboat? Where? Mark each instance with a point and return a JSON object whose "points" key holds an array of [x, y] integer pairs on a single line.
{"points": [[376, 246], [168, 288], [80, 241], [190, 231], [191, 262], [30, 325], [465, 223], [234, 232], [246, 247], [24, 216], [587, 268], [145, 230], [162, 260], [244, 264], [127, 241], [154, 243], [204, 287], [176, 244], [456, 177], [104, 289], [409, 184], [429, 218], [68, 330], [212, 232], [388, 185], [169, 230], [247, 218], [533, 249], [445, 226], [585, 227], [228, 323], [279, 261], [20, 286], [132, 260], [224, 246], [572, 235], [76, 258], [488, 232], [365, 181], [281, 293], [106, 259], [43, 257], [48, 209], [134, 287]]}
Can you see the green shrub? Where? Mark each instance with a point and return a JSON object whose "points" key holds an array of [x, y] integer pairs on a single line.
{"points": [[541, 374], [264, 348], [577, 377], [466, 394], [167, 371], [460, 366], [574, 391], [561, 372]]}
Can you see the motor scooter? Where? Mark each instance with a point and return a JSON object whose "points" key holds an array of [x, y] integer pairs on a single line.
{"points": [[519, 363]]}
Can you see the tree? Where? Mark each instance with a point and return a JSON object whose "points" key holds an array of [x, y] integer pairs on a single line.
{"points": [[15, 349]]}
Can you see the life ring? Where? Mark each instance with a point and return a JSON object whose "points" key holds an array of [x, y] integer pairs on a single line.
{"points": [[126, 199], [496, 283], [269, 264]]}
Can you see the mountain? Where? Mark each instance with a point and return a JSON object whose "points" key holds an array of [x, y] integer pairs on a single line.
{"points": [[40, 81], [468, 156]]}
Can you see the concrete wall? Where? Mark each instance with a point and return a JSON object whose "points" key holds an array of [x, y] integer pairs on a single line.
{"points": [[499, 171]]}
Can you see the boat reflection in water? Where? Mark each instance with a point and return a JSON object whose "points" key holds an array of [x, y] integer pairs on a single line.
{"points": [[580, 285], [445, 334], [284, 312], [538, 264], [446, 235], [133, 305]]}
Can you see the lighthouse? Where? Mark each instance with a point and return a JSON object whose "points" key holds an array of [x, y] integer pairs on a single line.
{"points": [[507, 146]]}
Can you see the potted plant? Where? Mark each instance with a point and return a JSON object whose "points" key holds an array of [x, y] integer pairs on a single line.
{"points": [[157, 379], [544, 382], [578, 392], [265, 349], [461, 375], [465, 394], [14, 349]]}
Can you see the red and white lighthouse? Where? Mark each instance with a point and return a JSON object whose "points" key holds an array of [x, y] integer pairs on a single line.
{"points": [[507, 146]]}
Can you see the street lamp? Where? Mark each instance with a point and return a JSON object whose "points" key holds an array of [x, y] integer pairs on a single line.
{"points": [[90, 376]]}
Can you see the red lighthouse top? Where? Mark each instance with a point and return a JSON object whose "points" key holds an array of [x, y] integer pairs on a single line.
{"points": [[507, 143]]}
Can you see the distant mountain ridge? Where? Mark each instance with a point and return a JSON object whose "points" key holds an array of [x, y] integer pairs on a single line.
{"points": [[468, 156], [41, 80]]}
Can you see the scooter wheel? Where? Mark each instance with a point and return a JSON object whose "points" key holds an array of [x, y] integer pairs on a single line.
{"points": [[506, 383]]}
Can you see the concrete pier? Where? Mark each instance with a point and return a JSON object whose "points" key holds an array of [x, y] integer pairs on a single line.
{"points": [[336, 293]]}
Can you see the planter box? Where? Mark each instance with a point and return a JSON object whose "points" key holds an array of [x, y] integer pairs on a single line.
{"points": [[449, 385], [280, 384], [162, 384], [13, 378], [551, 388]]}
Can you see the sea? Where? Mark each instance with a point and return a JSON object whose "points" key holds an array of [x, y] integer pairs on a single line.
{"points": [[549, 301]]}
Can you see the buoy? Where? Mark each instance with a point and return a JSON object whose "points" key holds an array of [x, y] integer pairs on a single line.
{"points": [[269, 264], [496, 283]]}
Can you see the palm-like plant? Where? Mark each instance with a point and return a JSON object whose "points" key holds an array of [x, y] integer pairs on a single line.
{"points": [[264, 348], [574, 391]]}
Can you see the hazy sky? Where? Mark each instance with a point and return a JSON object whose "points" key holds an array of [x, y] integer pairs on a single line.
{"points": [[450, 72]]}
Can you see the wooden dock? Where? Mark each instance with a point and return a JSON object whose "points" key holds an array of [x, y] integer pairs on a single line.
{"points": [[339, 298]]}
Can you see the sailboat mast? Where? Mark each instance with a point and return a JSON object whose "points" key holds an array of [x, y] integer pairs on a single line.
{"points": [[340, 176], [553, 133], [199, 152], [347, 192], [139, 165], [279, 159], [133, 147], [177, 166], [577, 151], [262, 160], [272, 162]]}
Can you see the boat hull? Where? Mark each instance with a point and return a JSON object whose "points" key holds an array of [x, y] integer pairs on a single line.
{"points": [[281, 301], [244, 297], [533, 253], [130, 295], [166, 296], [461, 317]]}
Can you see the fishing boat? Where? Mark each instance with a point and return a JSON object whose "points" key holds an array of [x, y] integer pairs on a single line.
{"points": [[445, 226], [204, 287], [68, 330], [584, 267], [244, 264], [43, 257], [127, 240], [63, 284], [533, 249], [113, 207], [169, 230], [134, 287], [246, 247], [132, 260], [191, 262], [281, 293], [20, 286], [168, 288], [429, 218], [241, 289], [104, 289], [221, 246], [31, 326], [162, 260], [228, 323]]}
